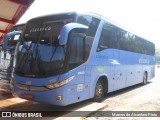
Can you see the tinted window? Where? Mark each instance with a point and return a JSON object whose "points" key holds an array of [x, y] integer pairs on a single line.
{"points": [[39, 60], [76, 50], [132, 43], [44, 31], [18, 28], [113, 37], [88, 45], [107, 38], [92, 24], [144, 47], [126, 40]]}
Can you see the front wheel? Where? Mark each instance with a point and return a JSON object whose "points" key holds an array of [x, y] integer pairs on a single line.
{"points": [[99, 92]]}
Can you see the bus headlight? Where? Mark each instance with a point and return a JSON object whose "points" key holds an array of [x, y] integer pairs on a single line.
{"points": [[59, 84]]}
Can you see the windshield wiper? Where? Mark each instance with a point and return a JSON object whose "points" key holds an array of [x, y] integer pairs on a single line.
{"points": [[54, 51], [39, 60]]}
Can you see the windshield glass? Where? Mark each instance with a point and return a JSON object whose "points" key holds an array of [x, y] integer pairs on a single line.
{"points": [[44, 32], [39, 54], [39, 59]]}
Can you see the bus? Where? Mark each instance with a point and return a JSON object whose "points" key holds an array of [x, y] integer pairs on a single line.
{"points": [[18, 27], [66, 58], [6, 59], [7, 55]]}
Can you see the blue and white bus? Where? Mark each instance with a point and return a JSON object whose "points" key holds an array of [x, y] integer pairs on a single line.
{"points": [[7, 55], [67, 58], [6, 59]]}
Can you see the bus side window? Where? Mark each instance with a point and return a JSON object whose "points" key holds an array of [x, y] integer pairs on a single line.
{"points": [[88, 45], [122, 40], [107, 38], [91, 22]]}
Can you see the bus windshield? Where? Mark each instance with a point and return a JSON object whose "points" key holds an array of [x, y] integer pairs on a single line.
{"points": [[40, 55]]}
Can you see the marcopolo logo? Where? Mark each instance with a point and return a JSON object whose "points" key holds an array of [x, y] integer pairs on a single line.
{"points": [[40, 29]]}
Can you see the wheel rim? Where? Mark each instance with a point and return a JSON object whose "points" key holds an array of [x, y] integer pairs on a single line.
{"points": [[99, 90]]}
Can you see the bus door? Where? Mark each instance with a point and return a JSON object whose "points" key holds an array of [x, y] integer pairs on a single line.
{"points": [[88, 45], [76, 60], [133, 70], [119, 70]]}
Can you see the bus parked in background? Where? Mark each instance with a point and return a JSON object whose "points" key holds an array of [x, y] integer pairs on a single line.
{"points": [[7, 55], [66, 58], [18, 27]]}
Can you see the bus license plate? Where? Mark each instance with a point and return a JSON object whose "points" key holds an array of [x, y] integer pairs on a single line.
{"points": [[28, 96]]}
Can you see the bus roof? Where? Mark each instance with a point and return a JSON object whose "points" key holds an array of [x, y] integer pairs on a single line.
{"points": [[51, 15], [10, 12]]}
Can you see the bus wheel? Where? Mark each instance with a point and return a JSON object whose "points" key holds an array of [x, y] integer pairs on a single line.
{"points": [[144, 78], [99, 92]]}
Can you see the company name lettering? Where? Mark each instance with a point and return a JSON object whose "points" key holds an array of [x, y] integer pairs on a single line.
{"points": [[144, 61], [40, 29]]}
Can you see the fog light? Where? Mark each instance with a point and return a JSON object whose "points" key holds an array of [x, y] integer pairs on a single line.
{"points": [[59, 97]]}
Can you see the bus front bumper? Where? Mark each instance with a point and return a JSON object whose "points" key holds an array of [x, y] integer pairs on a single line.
{"points": [[54, 96]]}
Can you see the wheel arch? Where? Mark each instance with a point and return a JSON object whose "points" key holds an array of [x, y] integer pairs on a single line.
{"points": [[104, 79]]}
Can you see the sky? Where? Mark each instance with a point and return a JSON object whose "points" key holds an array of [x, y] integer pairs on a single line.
{"points": [[140, 16]]}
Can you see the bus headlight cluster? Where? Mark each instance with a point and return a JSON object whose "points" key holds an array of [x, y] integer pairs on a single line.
{"points": [[59, 84]]}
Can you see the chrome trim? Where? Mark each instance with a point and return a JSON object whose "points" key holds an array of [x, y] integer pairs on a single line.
{"points": [[29, 87]]}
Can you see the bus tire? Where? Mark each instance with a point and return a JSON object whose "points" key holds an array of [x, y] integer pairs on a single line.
{"points": [[99, 91], [144, 78]]}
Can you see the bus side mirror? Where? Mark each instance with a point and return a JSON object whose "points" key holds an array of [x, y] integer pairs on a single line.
{"points": [[10, 40], [66, 29]]}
